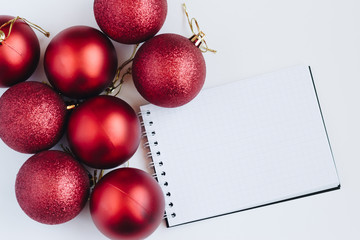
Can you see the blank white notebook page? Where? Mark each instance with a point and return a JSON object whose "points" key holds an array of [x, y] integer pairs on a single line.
{"points": [[241, 145]]}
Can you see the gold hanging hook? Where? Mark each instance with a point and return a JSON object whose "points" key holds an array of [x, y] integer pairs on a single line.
{"points": [[119, 79], [11, 22], [198, 37]]}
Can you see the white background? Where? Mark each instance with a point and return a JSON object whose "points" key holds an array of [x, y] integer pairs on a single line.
{"points": [[252, 37]]}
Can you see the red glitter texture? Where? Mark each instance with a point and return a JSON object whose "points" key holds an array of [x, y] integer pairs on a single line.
{"points": [[52, 187], [127, 204], [19, 53], [80, 62], [32, 117], [130, 21], [169, 70], [104, 132]]}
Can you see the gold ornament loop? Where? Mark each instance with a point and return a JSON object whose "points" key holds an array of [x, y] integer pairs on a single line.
{"points": [[96, 177], [119, 79], [11, 22], [198, 37]]}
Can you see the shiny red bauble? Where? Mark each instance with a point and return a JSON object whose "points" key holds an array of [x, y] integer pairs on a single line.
{"points": [[127, 203], [169, 70], [130, 21], [19, 53], [52, 187], [104, 132], [80, 62], [32, 117]]}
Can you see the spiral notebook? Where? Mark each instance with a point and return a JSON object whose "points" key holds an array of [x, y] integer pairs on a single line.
{"points": [[241, 145]]}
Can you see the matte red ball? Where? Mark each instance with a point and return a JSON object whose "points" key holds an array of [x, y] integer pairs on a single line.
{"points": [[130, 21], [52, 187], [169, 70], [104, 132], [32, 117], [80, 62], [19, 53], [127, 204]]}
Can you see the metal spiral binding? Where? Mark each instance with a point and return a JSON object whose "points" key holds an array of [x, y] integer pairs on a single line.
{"points": [[155, 154]]}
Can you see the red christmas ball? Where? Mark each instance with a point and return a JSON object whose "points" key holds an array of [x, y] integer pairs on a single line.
{"points": [[80, 62], [169, 70], [104, 132], [127, 203], [130, 21], [20, 52], [32, 117], [52, 187]]}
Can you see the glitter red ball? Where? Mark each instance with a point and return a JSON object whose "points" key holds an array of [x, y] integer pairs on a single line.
{"points": [[20, 52], [130, 21], [32, 117], [52, 187], [127, 204], [80, 62], [169, 70], [104, 132]]}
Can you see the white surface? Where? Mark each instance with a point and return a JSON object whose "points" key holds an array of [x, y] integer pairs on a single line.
{"points": [[251, 142], [252, 37]]}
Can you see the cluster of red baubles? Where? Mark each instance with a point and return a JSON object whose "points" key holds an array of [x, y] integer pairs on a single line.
{"points": [[104, 131]]}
